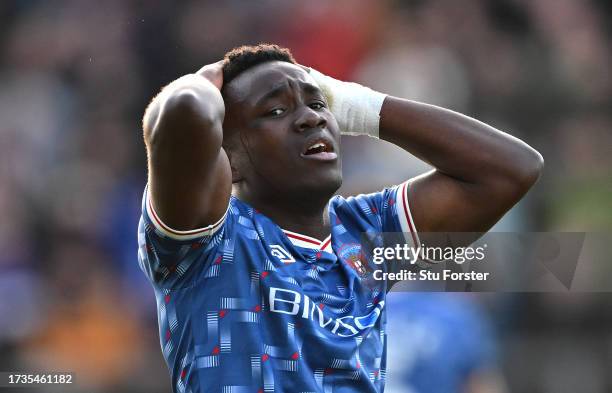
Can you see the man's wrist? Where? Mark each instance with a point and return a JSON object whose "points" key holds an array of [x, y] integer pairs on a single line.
{"points": [[356, 107]]}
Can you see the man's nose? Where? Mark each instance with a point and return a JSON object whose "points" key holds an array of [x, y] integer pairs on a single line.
{"points": [[309, 118]]}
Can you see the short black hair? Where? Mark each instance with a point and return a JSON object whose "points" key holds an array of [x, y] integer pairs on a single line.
{"points": [[244, 57]]}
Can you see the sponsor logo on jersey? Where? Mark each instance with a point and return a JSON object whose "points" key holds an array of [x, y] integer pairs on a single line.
{"points": [[287, 301]]}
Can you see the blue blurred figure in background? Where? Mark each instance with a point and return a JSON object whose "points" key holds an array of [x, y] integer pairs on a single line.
{"points": [[442, 343]]}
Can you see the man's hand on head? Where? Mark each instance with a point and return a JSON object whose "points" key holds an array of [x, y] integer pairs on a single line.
{"points": [[213, 72], [355, 107]]}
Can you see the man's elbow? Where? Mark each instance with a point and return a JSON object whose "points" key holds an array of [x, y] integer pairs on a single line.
{"points": [[185, 114], [189, 105], [525, 173]]}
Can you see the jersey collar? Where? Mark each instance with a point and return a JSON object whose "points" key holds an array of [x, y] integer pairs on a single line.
{"points": [[304, 241]]}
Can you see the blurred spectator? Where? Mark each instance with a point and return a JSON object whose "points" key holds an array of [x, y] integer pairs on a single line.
{"points": [[441, 343]]}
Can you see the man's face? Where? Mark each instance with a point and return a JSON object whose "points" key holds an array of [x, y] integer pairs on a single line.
{"points": [[287, 141]]}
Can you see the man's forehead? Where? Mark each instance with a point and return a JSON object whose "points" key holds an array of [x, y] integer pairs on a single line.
{"points": [[265, 76]]}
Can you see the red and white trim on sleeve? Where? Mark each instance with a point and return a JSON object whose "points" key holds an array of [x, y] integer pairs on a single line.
{"points": [[180, 235], [300, 240], [405, 217], [407, 223]]}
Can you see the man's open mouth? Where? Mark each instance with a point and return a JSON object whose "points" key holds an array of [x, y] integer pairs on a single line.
{"points": [[320, 149]]}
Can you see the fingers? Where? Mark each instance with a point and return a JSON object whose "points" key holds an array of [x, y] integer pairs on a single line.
{"points": [[212, 66], [213, 72]]}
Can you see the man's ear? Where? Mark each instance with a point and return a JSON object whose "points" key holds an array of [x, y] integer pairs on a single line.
{"points": [[236, 175]]}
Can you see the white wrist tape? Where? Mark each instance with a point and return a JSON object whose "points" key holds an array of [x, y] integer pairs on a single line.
{"points": [[355, 107]]}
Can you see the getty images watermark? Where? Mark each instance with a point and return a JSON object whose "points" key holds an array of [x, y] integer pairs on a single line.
{"points": [[493, 262], [406, 254]]}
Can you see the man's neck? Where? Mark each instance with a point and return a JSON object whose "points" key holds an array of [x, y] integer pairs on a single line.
{"points": [[308, 218]]}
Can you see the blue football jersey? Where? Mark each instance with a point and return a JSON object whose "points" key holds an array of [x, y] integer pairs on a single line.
{"points": [[245, 306]]}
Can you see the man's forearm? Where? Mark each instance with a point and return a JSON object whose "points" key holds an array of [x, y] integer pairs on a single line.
{"points": [[456, 145], [480, 172]]}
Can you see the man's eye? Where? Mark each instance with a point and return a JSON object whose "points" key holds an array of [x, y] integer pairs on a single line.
{"points": [[317, 105], [276, 112]]}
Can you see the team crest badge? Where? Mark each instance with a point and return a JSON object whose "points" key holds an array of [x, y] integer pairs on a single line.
{"points": [[351, 255]]}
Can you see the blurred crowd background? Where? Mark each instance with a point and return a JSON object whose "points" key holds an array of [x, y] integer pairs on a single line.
{"points": [[75, 77]]}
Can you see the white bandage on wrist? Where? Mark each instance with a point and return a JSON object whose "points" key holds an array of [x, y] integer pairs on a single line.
{"points": [[355, 107]]}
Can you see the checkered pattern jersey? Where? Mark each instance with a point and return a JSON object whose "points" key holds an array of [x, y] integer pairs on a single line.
{"points": [[245, 306]]}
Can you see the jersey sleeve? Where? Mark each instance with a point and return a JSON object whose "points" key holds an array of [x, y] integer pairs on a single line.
{"points": [[388, 211], [173, 259]]}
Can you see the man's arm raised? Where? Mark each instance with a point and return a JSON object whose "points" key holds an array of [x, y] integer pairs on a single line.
{"points": [[480, 172], [189, 179]]}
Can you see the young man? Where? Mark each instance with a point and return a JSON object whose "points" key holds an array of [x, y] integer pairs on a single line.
{"points": [[243, 160]]}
